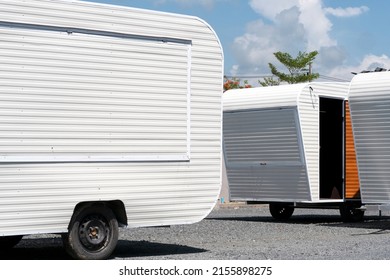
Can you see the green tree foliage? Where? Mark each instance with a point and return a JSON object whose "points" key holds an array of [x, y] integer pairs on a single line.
{"points": [[269, 82], [299, 69]]}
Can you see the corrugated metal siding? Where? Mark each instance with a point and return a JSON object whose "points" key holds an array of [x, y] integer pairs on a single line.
{"points": [[81, 100], [369, 99], [55, 84], [269, 184], [261, 136], [262, 98], [263, 156], [309, 122], [243, 133]]}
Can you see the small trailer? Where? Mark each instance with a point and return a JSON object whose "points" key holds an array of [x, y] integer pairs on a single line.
{"points": [[292, 146], [109, 117], [369, 97]]}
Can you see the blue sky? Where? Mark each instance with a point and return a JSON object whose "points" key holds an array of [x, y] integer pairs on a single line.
{"points": [[350, 35]]}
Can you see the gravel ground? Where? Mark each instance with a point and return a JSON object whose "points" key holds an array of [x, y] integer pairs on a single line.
{"points": [[241, 232]]}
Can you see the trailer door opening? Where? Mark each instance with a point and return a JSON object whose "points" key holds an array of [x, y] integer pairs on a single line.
{"points": [[331, 148]]}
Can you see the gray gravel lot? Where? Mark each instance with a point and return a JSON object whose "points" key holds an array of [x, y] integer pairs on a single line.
{"points": [[244, 232]]}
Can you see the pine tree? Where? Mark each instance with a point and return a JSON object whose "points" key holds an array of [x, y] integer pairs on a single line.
{"points": [[299, 68]]}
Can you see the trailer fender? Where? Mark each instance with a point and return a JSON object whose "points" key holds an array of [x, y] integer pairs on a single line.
{"points": [[117, 206]]}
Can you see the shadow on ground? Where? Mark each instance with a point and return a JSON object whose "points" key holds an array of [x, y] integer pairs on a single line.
{"points": [[52, 249], [376, 225], [129, 249], [295, 219], [382, 224], [36, 249]]}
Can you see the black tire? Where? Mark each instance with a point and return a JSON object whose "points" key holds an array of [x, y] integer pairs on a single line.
{"points": [[8, 242], [93, 233], [350, 214], [281, 211]]}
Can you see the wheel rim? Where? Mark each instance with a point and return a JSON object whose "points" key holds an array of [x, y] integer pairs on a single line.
{"points": [[282, 210], [94, 232]]}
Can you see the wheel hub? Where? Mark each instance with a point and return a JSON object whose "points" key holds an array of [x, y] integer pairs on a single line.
{"points": [[93, 233]]}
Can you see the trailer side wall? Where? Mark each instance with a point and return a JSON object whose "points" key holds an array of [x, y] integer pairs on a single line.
{"points": [[100, 102]]}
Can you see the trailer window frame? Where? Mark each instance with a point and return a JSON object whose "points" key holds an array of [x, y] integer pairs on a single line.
{"points": [[49, 152]]}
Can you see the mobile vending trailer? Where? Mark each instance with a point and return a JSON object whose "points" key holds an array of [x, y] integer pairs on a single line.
{"points": [[109, 116], [292, 146], [369, 96]]}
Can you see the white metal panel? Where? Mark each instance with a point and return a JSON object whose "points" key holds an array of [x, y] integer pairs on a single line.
{"points": [[264, 157], [40, 197], [262, 97], [272, 184], [329, 90], [308, 108], [369, 99], [79, 101], [267, 136]]}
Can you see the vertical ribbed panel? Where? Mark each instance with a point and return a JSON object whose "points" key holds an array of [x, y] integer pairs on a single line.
{"points": [[100, 102], [369, 99]]}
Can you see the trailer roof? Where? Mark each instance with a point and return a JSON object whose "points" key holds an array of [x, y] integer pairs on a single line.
{"points": [[262, 97], [279, 96]]}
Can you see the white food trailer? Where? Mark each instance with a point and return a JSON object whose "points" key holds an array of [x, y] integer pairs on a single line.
{"points": [[369, 96], [292, 146], [109, 116]]}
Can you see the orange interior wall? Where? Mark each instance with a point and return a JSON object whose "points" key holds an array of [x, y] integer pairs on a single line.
{"points": [[352, 186]]}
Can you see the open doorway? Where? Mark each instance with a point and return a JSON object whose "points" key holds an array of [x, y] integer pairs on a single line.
{"points": [[331, 148]]}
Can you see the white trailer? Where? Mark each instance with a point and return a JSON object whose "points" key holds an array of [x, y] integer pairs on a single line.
{"points": [[291, 146], [369, 96], [108, 116]]}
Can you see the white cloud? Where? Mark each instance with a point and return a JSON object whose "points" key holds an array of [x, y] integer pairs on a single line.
{"points": [[346, 12], [312, 16], [291, 26], [369, 62], [271, 10], [317, 25], [254, 50]]}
